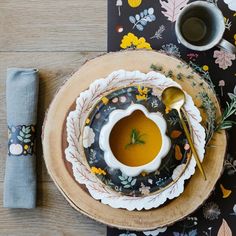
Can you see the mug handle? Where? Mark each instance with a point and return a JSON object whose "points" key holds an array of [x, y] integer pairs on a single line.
{"points": [[224, 44]]}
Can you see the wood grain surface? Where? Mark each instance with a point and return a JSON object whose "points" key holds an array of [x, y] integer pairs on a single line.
{"points": [[50, 25], [196, 191], [56, 37]]}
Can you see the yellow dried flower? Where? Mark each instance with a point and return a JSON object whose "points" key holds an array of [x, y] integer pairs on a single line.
{"points": [[144, 173], [142, 90], [141, 97], [132, 41], [205, 68], [134, 3], [143, 93], [98, 171], [105, 100]]}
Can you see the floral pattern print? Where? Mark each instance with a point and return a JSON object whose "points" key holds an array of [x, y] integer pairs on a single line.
{"points": [[230, 165], [145, 190], [211, 211], [140, 20], [134, 3], [127, 181], [15, 149], [228, 23], [225, 192], [171, 50], [231, 4], [88, 137], [119, 4], [128, 234], [155, 232], [98, 171], [224, 229], [173, 164], [216, 64], [172, 8], [158, 33], [74, 153], [142, 94], [132, 41], [223, 58], [21, 140]]}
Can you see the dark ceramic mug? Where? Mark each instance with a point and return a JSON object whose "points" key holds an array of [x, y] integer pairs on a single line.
{"points": [[200, 26]]}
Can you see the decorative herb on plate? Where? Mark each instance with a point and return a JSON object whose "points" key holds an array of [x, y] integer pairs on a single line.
{"points": [[156, 67], [135, 138], [229, 111]]}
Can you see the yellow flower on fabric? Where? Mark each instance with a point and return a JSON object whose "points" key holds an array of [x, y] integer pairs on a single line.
{"points": [[235, 39], [226, 192], [105, 100], [143, 44], [134, 3], [205, 68], [144, 173], [87, 121], [98, 171], [26, 147], [143, 93], [132, 41], [142, 90], [141, 97]]}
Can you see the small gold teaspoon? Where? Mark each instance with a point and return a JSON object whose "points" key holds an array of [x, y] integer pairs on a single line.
{"points": [[174, 98]]}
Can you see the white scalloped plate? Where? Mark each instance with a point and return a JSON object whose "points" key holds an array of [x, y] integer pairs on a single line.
{"points": [[74, 151]]}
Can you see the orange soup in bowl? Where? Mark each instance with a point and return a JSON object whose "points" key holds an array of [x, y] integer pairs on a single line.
{"points": [[135, 140]]}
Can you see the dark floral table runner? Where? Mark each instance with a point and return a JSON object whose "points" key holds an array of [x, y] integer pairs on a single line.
{"points": [[150, 24]]}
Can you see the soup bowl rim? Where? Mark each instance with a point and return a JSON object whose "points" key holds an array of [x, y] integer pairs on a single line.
{"points": [[104, 141]]}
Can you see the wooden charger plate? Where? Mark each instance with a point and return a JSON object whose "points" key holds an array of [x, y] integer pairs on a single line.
{"points": [[54, 143]]}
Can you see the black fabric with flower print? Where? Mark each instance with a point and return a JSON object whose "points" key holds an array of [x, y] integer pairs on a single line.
{"points": [[145, 183], [150, 24], [21, 140]]}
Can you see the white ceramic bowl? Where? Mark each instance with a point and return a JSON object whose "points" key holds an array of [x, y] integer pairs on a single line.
{"points": [[104, 143]]}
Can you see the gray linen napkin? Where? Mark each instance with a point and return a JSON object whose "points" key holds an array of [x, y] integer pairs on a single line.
{"points": [[20, 173]]}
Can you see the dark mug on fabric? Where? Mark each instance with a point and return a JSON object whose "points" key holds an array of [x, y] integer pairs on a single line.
{"points": [[200, 26]]}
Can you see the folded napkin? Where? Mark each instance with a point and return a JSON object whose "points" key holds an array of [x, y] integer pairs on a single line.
{"points": [[20, 173]]}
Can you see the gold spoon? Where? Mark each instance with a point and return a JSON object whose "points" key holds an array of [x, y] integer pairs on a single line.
{"points": [[174, 98]]}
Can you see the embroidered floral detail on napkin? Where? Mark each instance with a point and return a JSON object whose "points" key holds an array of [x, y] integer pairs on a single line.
{"points": [[21, 140]]}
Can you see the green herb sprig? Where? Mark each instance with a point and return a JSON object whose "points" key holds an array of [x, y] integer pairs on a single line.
{"points": [[135, 138], [229, 111]]}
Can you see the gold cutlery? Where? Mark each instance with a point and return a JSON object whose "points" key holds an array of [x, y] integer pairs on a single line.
{"points": [[174, 98]]}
